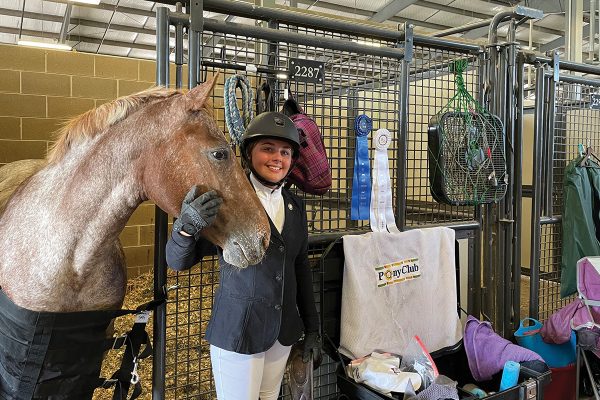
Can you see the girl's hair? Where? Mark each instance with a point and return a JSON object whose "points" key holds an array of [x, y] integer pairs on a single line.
{"points": [[246, 157]]}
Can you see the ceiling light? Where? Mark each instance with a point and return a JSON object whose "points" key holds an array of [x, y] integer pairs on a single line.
{"points": [[86, 1], [45, 45]]}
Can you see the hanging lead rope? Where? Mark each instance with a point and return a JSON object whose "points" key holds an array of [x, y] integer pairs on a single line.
{"points": [[236, 124]]}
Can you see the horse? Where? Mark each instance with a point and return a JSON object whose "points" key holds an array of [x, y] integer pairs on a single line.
{"points": [[60, 255], [59, 245]]}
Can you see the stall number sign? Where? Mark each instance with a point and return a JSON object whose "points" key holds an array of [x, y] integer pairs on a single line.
{"points": [[306, 70], [595, 103]]}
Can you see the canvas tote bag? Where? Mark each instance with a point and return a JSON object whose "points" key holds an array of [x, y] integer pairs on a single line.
{"points": [[397, 285]]}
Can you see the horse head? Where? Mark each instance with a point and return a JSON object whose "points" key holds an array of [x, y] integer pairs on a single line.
{"points": [[194, 151]]}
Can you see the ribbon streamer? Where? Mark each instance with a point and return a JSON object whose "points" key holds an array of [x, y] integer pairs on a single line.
{"points": [[361, 182], [382, 215]]}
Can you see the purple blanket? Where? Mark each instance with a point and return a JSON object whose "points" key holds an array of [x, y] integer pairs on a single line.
{"points": [[487, 351], [575, 315]]}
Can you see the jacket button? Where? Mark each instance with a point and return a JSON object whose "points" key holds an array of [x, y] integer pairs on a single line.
{"points": [[278, 277], [281, 249], [278, 307]]}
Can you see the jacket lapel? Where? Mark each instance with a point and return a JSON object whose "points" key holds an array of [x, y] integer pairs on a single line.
{"points": [[275, 235], [291, 215]]}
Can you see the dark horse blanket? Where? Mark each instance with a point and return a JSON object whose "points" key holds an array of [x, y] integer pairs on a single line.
{"points": [[54, 356]]}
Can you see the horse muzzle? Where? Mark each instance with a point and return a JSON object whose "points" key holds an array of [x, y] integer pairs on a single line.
{"points": [[244, 251]]}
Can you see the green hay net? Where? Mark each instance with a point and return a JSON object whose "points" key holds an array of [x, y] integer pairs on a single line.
{"points": [[467, 164]]}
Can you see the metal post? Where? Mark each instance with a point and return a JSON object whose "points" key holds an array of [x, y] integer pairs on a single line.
{"points": [[491, 256], [403, 130], [499, 245], [64, 28], [162, 46], [518, 190], [574, 30], [508, 219], [592, 39], [475, 286], [273, 63], [538, 145], [160, 226], [195, 42], [548, 147], [352, 113], [178, 51]]}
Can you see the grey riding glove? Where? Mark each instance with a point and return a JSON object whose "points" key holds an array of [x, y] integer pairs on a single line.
{"points": [[197, 212]]}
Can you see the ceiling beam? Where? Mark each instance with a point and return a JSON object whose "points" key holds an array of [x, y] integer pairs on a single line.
{"points": [[110, 7], [466, 13], [390, 10], [551, 6], [560, 42], [476, 33], [366, 13], [78, 38], [423, 3], [64, 28], [76, 21]]}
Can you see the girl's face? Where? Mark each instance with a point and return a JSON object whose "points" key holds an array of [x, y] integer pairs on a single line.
{"points": [[271, 158]]}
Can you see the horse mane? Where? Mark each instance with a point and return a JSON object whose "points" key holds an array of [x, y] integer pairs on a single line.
{"points": [[93, 122]]}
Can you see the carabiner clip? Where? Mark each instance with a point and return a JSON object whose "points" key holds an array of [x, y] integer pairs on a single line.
{"points": [[135, 378]]}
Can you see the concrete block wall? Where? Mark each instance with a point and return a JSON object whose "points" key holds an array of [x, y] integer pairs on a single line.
{"points": [[42, 89]]}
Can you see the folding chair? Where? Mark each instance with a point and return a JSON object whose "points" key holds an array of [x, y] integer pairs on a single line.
{"points": [[585, 321]]}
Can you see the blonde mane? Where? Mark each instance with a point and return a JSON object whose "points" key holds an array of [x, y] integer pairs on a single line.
{"points": [[91, 123]]}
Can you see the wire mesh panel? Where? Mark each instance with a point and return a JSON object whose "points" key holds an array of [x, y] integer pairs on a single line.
{"points": [[549, 283], [354, 84], [432, 85], [188, 371], [189, 374], [575, 125]]}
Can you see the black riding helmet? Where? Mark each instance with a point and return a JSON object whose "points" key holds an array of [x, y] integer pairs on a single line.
{"points": [[270, 125]]}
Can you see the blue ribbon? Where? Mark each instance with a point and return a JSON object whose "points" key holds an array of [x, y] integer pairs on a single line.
{"points": [[361, 182]]}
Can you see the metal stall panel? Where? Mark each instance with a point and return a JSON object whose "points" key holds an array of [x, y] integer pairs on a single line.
{"points": [[354, 84], [575, 123], [188, 368]]}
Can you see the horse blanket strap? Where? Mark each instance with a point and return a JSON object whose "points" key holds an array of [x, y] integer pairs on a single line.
{"points": [[127, 374], [236, 124], [55, 355]]}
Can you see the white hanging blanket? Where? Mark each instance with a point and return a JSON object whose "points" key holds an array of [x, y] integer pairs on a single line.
{"points": [[397, 285]]}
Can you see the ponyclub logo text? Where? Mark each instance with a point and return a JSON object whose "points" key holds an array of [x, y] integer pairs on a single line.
{"points": [[396, 272]]}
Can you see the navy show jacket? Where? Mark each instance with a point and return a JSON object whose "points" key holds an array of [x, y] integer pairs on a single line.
{"points": [[272, 300]]}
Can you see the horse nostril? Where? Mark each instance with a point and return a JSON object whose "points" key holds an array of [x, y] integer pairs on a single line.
{"points": [[265, 241], [236, 243]]}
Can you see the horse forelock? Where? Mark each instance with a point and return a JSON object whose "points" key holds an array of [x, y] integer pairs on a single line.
{"points": [[93, 122]]}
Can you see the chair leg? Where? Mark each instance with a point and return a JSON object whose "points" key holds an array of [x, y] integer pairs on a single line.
{"points": [[591, 375], [577, 365]]}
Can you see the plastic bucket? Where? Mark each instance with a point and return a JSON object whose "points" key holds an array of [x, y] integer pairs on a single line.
{"points": [[555, 355], [562, 386]]}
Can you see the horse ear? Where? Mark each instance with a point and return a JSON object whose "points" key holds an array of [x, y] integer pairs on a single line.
{"points": [[197, 97]]}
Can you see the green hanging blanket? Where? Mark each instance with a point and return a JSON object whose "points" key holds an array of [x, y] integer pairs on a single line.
{"points": [[580, 220]]}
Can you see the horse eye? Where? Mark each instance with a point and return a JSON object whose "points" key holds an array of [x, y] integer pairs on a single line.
{"points": [[220, 155]]}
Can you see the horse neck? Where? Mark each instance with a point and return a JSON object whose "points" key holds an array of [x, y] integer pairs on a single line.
{"points": [[103, 188]]}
